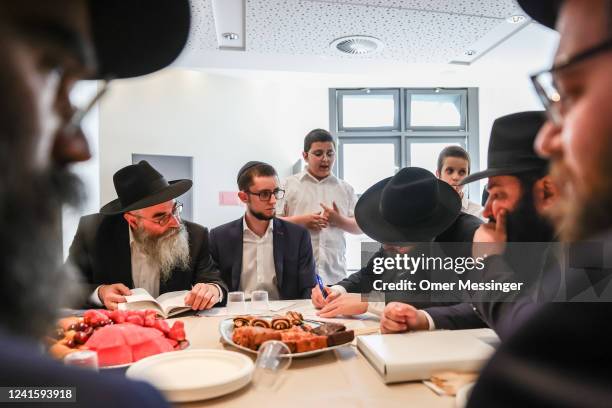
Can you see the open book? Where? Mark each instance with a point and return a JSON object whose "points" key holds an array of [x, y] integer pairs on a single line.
{"points": [[166, 305]]}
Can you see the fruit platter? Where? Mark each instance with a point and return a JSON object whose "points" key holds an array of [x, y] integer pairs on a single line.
{"points": [[119, 337]]}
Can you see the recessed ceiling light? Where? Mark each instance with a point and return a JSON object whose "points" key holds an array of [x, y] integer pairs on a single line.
{"points": [[516, 19], [469, 53], [231, 36], [357, 45]]}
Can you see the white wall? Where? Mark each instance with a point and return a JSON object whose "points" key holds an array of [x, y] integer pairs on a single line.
{"points": [[222, 122], [225, 120]]}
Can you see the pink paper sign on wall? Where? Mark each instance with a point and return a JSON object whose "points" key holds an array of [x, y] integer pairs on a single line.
{"points": [[229, 198]]}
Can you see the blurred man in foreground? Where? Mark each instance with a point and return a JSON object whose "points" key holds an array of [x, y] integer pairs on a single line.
{"points": [[45, 48], [560, 357]]}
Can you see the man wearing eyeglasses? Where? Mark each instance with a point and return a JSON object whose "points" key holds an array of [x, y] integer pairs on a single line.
{"points": [[140, 241], [259, 251], [561, 356]]}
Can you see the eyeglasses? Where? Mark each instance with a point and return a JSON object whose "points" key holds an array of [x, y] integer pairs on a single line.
{"points": [[546, 87], [266, 195], [319, 154], [162, 220], [81, 113]]}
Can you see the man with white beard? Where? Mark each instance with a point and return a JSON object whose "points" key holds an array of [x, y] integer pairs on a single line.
{"points": [[140, 241]]}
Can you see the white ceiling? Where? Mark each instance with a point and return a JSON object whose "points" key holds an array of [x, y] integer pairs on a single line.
{"points": [[413, 31]]}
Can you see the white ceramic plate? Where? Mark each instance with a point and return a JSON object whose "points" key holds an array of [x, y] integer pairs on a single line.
{"points": [[192, 375], [226, 327]]}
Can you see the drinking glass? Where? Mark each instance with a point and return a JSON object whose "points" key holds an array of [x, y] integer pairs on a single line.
{"points": [[259, 301], [273, 359], [85, 359], [235, 303]]}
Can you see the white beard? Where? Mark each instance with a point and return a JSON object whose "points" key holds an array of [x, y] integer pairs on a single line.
{"points": [[169, 251]]}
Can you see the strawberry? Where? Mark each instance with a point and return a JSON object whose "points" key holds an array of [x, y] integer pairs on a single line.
{"points": [[94, 318], [177, 331], [149, 318], [118, 316], [162, 326], [135, 319]]}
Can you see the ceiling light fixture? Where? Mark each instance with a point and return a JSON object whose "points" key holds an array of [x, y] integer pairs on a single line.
{"points": [[231, 36], [470, 53], [516, 19], [357, 45]]}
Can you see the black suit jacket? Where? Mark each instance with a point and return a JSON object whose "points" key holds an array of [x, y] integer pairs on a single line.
{"points": [[460, 234], [560, 355], [293, 259], [101, 251]]}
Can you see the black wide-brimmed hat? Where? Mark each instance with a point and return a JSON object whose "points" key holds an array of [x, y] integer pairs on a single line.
{"points": [[137, 37], [511, 148], [543, 11], [141, 186], [412, 206]]}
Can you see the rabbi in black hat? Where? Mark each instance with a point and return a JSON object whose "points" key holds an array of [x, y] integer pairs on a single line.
{"points": [[406, 213], [521, 191], [140, 241], [259, 251]]}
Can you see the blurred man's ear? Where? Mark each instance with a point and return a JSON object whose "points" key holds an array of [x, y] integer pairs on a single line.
{"points": [[305, 155], [438, 173], [244, 197], [545, 193]]}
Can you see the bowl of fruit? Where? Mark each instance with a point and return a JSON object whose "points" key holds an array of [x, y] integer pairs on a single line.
{"points": [[119, 337]]}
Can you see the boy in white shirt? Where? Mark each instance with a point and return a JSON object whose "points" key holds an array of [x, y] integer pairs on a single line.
{"points": [[454, 166], [323, 203]]}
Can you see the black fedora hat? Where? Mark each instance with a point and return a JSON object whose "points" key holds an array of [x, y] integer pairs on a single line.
{"points": [[141, 186], [511, 146], [412, 206], [543, 11], [137, 37]]}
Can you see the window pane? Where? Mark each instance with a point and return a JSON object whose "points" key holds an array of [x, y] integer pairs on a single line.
{"points": [[435, 110], [367, 163], [364, 111], [425, 155]]}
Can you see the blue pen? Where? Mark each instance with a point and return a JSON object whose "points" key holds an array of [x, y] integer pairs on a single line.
{"points": [[321, 286]]}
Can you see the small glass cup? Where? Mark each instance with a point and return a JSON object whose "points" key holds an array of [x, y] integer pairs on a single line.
{"points": [[273, 359], [235, 303], [259, 301], [84, 359]]}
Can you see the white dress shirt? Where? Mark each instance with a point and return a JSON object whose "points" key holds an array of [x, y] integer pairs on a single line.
{"points": [[304, 195], [258, 270]]}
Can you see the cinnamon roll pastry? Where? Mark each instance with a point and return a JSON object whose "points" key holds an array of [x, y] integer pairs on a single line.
{"points": [[256, 322], [242, 321], [280, 323], [295, 318]]}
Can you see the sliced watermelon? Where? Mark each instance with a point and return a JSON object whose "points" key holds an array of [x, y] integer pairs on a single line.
{"points": [[148, 348], [107, 336], [110, 356]]}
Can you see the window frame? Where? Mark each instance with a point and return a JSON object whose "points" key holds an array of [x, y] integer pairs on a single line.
{"points": [[405, 134], [462, 93], [367, 140], [397, 108]]}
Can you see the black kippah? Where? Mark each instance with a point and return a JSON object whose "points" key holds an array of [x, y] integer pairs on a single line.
{"points": [[246, 167]]}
